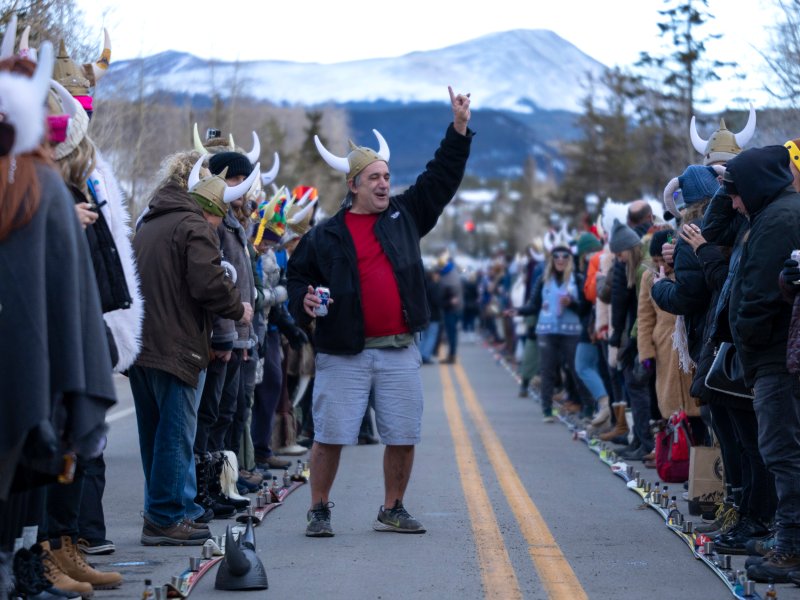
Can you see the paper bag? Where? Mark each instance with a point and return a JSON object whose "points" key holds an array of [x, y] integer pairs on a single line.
{"points": [[705, 472]]}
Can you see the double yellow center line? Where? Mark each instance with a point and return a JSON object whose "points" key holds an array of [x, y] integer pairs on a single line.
{"points": [[497, 573]]}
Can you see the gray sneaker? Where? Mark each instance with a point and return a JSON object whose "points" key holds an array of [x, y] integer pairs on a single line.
{"points": [[319, 520], [397, 519]]}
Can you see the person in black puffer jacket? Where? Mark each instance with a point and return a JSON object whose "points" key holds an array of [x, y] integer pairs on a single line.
{"points": [[758, 182], [749, 486]]}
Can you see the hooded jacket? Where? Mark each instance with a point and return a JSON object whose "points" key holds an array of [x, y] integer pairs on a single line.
{"points": [[759, 317], [183, 284]]}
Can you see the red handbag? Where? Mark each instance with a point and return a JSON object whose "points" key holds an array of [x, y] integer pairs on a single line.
{"points": [[672, 448]]}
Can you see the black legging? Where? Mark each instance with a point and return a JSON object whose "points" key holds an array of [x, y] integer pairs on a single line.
{"points": [[725, 431], [556, 351]]}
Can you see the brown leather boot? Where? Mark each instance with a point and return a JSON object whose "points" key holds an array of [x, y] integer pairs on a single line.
{"points": [[58, 578], [621, 427], [71, 561]]}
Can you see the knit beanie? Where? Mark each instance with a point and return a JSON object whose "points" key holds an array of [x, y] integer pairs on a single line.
{"points": [[622, 238], [698, 183], [659, 238], [587, 242], [237, 164]]}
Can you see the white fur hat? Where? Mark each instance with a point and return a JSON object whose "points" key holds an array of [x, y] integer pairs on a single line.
{"points": [[22, 102], [613, 211]]}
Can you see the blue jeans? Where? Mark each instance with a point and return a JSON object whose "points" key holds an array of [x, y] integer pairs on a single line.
{"points": [[587, 367], [451, 319], [428, 341], [776, 404], [166, 413], [192, 509]]}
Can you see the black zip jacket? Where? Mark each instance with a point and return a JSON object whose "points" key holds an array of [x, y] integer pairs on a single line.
{"points": [[326, 255], [759, 317]]}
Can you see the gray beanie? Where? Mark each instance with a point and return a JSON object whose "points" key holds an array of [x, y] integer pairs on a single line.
{"points": [[622, 238]]}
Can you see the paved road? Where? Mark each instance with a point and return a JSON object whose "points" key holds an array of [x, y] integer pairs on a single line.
{"points": [[514, 509]]}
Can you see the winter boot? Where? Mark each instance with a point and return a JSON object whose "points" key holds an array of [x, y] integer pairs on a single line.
{"points": [[29, 578], [603, 413], [202, 465], [71, 561], [57, 577], [218, 462], [229, 477], [621, 428]]}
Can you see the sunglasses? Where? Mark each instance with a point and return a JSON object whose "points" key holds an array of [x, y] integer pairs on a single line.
{"points": [[560, 254]]}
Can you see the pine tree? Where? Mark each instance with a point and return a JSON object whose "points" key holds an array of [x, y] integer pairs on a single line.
{"points": [[783, 56], [604, 161], [684, 67]]}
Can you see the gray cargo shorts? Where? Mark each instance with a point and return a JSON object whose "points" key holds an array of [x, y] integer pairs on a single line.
{"points": [[341, 392]]}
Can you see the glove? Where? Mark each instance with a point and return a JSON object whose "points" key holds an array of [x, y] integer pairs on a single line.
{"points": [[790, 275], [297, 337], [648, 364]]}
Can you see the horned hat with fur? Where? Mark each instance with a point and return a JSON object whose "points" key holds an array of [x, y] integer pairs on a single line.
{"points": [[22, 104], [357, 159], [212, 193]]}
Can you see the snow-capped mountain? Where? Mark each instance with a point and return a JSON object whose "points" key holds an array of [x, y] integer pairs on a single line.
{"points": [[520, 71]]}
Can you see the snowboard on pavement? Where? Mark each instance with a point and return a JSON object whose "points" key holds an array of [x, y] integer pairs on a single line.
{"points": [[182, 585], [269, 498], [658, 498], [266, 500], [729, 569]]}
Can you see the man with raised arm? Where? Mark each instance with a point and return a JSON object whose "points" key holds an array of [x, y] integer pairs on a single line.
{"points": [[368, 256]]}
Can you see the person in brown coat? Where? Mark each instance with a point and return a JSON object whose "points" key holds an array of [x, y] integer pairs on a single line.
{"points": [[183, 284], [654, 341]]}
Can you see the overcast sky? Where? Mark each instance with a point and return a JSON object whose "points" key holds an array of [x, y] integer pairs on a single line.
{"points": [[325, 31]]}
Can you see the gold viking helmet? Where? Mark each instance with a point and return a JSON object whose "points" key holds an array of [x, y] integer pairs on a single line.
{"points": [[357, 159], [78, 79], [723, 144], [69, 74], [212, 193]]}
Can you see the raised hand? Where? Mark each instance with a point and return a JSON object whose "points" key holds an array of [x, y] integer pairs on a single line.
{"points": [[461, 112]]}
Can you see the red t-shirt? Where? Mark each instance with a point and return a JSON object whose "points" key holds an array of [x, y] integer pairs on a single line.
{"points": [[380, 298]]}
